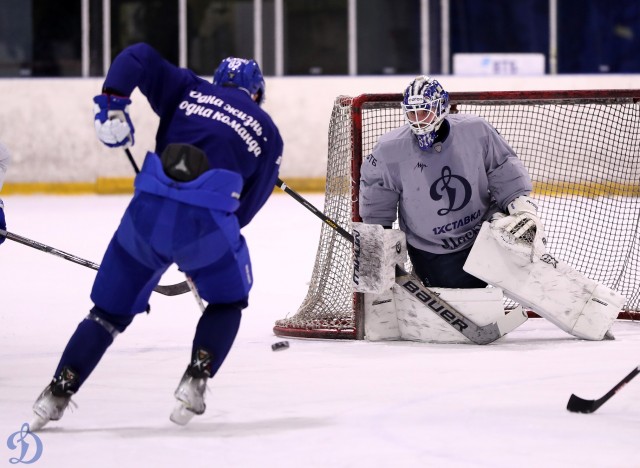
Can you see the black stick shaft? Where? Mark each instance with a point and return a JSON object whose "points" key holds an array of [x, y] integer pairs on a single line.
{"points": [[347, 235], [132, 161], [621, 384], [46, 248], [169, 290]]}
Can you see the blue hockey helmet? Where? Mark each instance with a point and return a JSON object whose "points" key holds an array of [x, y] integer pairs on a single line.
{"points": [[241, 73], [425, 104]]}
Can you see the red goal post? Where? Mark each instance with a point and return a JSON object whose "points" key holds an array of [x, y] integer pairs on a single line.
{"points": [[581, 148]]}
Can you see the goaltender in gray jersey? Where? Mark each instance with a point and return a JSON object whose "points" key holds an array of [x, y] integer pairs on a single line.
{"points": [[442, 175], [442, 194]]}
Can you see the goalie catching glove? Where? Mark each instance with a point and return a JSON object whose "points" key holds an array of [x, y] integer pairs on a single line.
{"points": [[113, 124], [522, 228]]}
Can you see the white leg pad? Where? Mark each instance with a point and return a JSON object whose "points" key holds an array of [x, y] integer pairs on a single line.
{"points": [[376, 252], [417, 323], [550, 287], [380, 318]]}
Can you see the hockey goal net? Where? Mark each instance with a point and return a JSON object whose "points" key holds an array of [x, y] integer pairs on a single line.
{"points": [[582, 151]]}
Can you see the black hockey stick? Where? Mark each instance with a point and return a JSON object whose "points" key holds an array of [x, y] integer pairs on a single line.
{"points": [[477, 334], [580, 405], [132, 161], [169, 290]]}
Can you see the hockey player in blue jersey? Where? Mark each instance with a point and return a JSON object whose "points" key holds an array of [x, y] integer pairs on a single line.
{"points": [[215, 164], [442, 175], [5, 159]]}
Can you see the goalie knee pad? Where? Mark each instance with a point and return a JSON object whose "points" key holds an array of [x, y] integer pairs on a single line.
{"points": [[377, 251]]}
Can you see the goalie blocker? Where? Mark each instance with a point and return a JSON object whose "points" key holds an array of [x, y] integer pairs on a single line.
{"points": [[393, 312], [537, 280]]}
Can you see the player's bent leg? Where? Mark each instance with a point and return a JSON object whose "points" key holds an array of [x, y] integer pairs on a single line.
{"points": [[227, 279], [121, 289], [85, 348], [124, 283], [214, 337], [443, 270], [224, 282]]}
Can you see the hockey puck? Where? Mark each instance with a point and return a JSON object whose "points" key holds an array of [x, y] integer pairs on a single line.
{"points": [[280, 345]]}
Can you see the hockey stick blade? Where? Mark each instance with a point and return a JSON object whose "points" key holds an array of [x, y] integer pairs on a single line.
{"points": [[169, 290], [580, 405], [173, 289], [475, 333]]}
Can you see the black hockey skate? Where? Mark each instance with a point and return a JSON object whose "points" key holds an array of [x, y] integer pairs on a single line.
{"points": [[191, 389], [54, 399]]}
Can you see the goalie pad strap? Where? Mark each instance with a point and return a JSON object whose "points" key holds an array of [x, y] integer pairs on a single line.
{"points": [[522, 204]]}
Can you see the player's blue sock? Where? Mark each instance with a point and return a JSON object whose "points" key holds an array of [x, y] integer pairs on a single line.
{"points": [[90, 341], [216, 332]]}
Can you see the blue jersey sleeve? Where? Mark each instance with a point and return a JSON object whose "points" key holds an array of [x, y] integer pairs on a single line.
{"points": [[224, 122], [141, 66]]}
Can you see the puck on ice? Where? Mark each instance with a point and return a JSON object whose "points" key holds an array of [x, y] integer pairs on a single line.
{"points": [[280, 345]]}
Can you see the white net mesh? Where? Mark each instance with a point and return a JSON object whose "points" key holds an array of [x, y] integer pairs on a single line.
{"points": [[328, 306]]}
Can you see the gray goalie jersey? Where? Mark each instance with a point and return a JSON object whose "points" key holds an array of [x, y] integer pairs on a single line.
{"points": [[442, 195]]}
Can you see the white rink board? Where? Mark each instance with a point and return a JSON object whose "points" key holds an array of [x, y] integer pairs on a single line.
{"points": [[48, 123]]}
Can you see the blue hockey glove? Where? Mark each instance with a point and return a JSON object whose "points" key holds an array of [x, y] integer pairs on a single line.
{"points": [[3, 224], [112, 121]]}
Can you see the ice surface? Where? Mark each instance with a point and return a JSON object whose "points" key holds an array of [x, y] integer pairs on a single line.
{"points": [[319, 403]]}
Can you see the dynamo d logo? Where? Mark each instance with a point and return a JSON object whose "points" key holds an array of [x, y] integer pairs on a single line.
{"points": [[28, 444]]}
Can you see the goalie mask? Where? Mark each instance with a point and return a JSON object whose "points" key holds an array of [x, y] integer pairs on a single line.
{"points": [[425, 104], [241, 73]]}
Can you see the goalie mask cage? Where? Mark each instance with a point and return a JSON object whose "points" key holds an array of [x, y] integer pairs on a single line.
{"points": [[582, 151]]}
